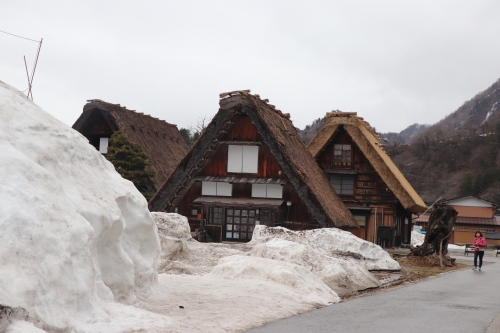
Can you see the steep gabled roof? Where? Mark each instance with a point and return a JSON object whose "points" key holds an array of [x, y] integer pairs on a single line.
{"points": [[284, 142], [159, 139], [368, 142]]}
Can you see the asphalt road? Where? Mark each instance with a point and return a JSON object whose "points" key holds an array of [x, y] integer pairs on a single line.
{"points": [[462, 301]]}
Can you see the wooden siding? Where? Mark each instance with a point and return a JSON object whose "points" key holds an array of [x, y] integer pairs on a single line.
{"points": [[368, 187], [243, 130], [370, 191], [464, 234], [268, 166], [485, 212]]}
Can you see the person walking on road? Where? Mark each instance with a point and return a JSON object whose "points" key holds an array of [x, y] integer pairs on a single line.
{"points": [[479, 244]]}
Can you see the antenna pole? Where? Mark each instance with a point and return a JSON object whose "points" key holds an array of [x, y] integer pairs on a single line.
{"points": [[27, 75], [30, 92]]}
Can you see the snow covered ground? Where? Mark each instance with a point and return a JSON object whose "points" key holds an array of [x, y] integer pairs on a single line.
{"points": [[456, 247], [417, 239], [80, 252], [232, 287]]}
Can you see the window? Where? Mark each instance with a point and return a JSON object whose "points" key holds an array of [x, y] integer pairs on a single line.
{"points": [[242, 159], [267, 191], [214, 215], [240, 223], [361, 219], [103, 145], [264, 217], [216, 188], [342, 184], [342, 153]]}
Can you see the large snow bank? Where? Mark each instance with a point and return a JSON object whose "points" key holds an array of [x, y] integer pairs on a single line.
{"points": [[73, 231], [343, 276], [332, 242]]}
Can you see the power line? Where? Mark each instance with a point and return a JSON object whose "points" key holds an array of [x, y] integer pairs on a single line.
{"points": [[20, 36], [30, 77]]}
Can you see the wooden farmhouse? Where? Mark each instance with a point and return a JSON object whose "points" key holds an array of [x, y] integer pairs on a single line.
{"points": [[382, 201], [474, 214], [159, 139], [250, 167]]}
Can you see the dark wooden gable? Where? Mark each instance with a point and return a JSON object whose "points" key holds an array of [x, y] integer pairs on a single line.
{"points": [[368, 186], [95, 125], [243, 132]]}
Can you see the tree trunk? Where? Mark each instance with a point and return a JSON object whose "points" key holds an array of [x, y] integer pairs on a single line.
{"points": [[440, 226]]}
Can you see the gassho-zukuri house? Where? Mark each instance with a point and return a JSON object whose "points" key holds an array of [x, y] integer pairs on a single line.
{"points": [[250, 167], [157, 138], [382, 201]]}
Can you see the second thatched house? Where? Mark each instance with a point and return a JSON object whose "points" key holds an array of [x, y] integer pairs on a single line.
{"points": [[250, 167], [159, 139], [347, 149]]}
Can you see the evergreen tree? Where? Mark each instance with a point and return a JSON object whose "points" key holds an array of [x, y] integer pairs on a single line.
{"points": [[131, 163], [186, 135]]}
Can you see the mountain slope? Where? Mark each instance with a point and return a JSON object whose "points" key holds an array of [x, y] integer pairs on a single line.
{"points": [[405, 135], [459, 154]]}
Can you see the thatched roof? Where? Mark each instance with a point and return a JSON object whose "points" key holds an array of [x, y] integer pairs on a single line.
{"points": [[284, 142], [368, 142], [159, 139]]}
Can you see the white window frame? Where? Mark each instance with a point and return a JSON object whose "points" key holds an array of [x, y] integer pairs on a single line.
{"points": [[220, 189], [234, 158], [267, 191], [103, 145], [259, 191], [242, 159]]}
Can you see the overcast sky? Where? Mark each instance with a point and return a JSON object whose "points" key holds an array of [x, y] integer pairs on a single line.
{"points": [[394, 62]]}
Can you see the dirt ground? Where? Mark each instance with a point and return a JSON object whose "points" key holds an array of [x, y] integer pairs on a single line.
{"points": [[413, 269]]}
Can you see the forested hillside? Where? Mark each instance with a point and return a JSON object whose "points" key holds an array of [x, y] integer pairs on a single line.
{"points": [[405, 136], [459, 154]]}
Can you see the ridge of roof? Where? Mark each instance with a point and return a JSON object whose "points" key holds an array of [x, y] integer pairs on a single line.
{"points": [[228, 95], [106, 105]]}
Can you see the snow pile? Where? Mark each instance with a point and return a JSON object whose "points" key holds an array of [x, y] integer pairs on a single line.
{"points": [[417, 238], [74, 233], [287, 274], [332, 242], [339, 274], [183, 255], [180, 253], [211, 280]]}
